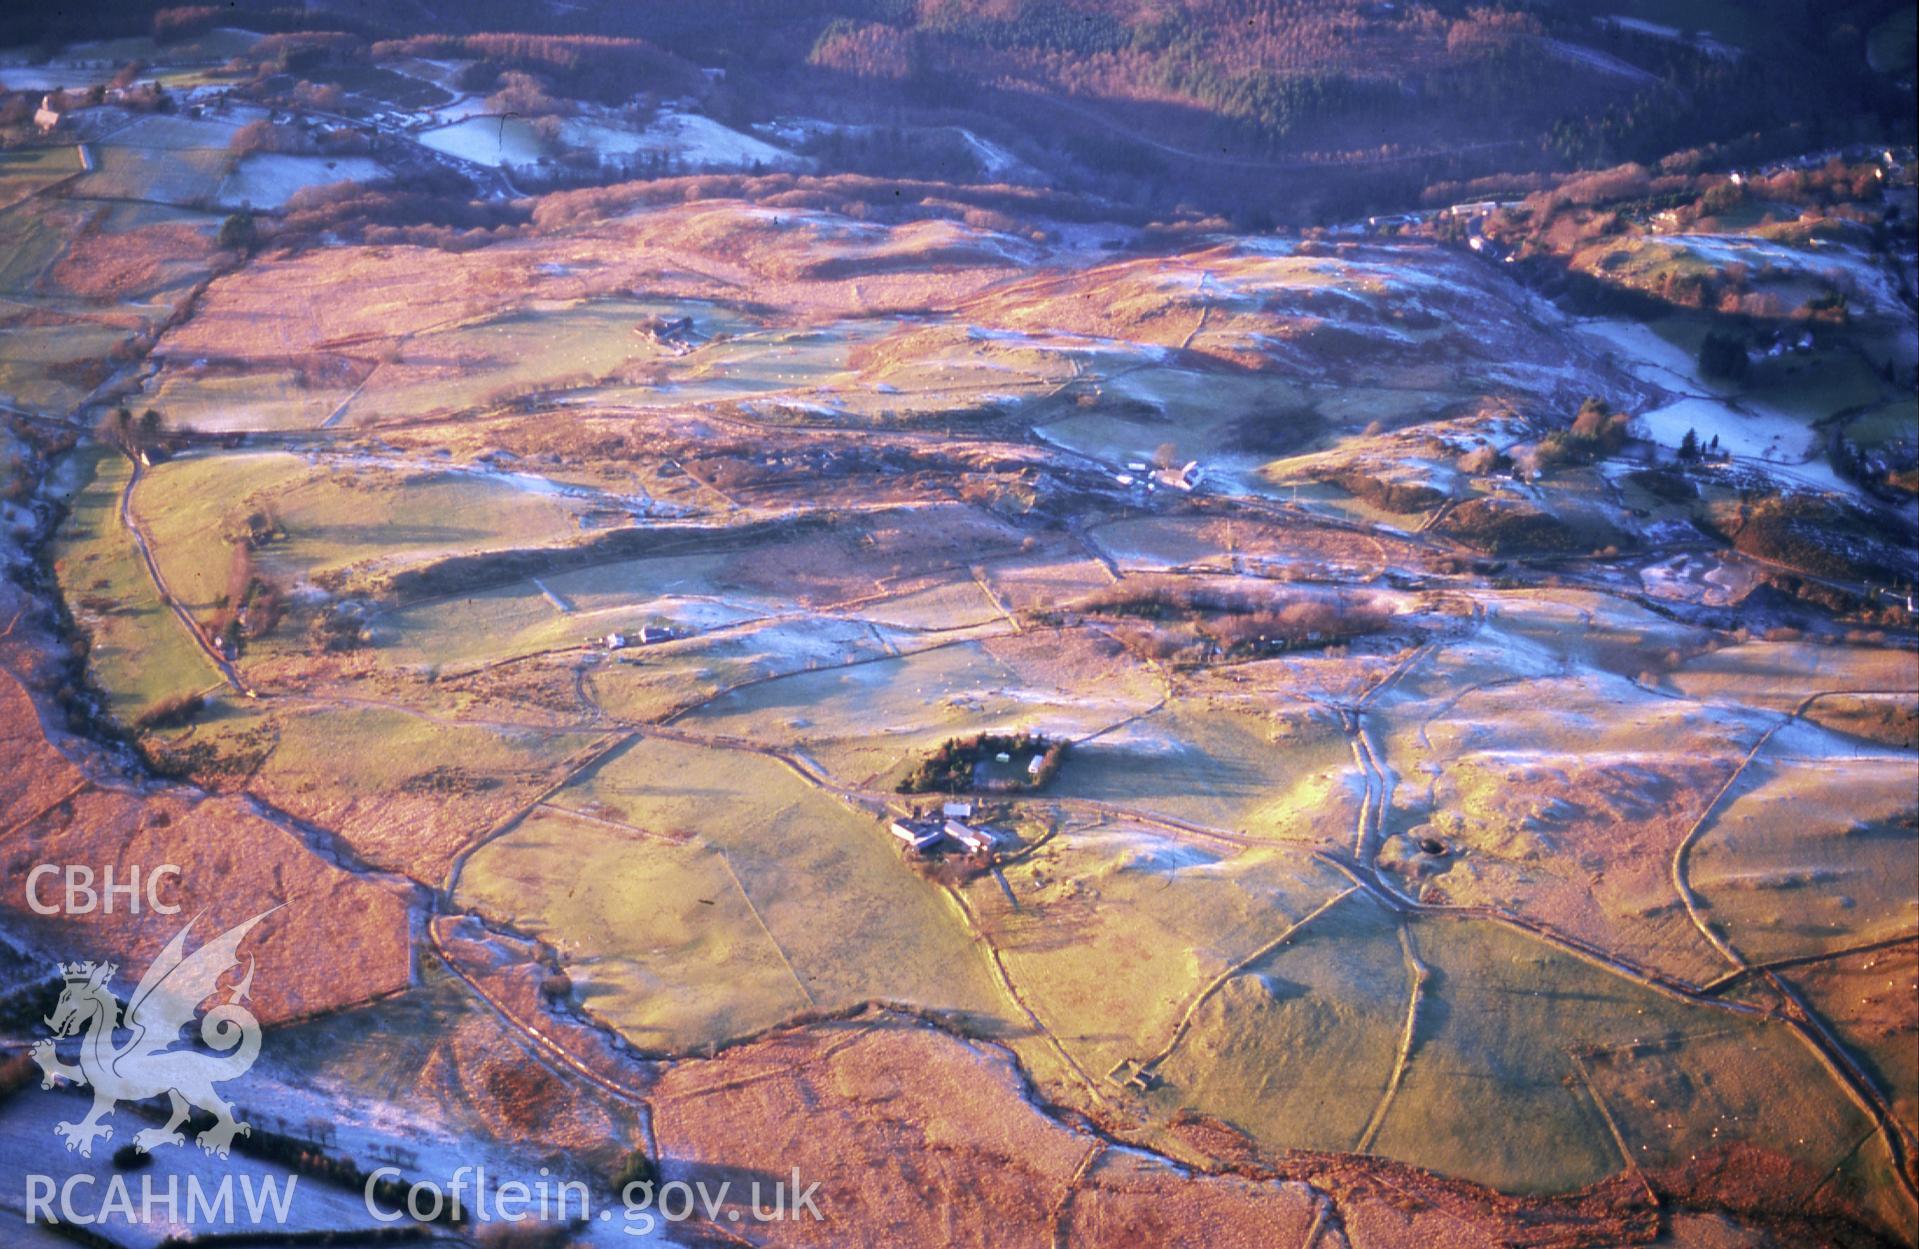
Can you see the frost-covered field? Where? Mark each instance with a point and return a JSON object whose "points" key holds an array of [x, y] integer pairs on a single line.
{"points": [[687, 139], [267, 180], [488, 140], [1746, 426], [1836, 264]]}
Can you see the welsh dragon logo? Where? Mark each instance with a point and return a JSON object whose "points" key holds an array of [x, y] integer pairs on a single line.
{"points": [[145, 1064]]}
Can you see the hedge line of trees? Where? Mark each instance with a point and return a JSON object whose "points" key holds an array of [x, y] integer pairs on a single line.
{"points": [[952, 767], [1237, 621]]}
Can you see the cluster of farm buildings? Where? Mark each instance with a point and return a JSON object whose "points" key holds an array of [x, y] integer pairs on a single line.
{"points": [[951, 829]]}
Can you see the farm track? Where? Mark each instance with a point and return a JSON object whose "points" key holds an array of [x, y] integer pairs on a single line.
{"points": [[1417, 973], [1010, 989], [1733, 977], [1681, 879], [1063, 1208], [46, 808], [552, 1053], [328, 845], [1205, 311], [1323, 1217], [1626, 1159], [979, 579], [753, 909], [131, 522], [1437, 516]]}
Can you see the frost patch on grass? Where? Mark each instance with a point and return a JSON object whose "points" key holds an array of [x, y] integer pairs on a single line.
{"points": [[269, 179], [495, 142], [688, 139]]}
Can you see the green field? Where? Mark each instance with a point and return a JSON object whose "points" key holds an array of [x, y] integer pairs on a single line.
{"points": [[1896, 420], [1860, 996], [31, 240], [385, 87], [35, 237], [140, 652], [400, 750], [336, 514], [1303, 1052], [1234, 424], [205, 47], [194, 506], [743, 362], [26, 170], [1779, 674], [1299, 1046], [1111, 931], [258, 399], [1819, 387], [547, 348], [692, 594], [175, 132], [54, 364], [520, 619], [722, 893], [1276, 773], [1815, 853], [870, 722], [158, 174], [407, 790], [660, 680], [654, 928]]}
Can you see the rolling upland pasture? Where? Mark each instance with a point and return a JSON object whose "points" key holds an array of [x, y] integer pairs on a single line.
{"points": [[1270, 726]]}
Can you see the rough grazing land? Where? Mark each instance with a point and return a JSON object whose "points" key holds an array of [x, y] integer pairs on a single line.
{"points": [[1464, 831]]}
